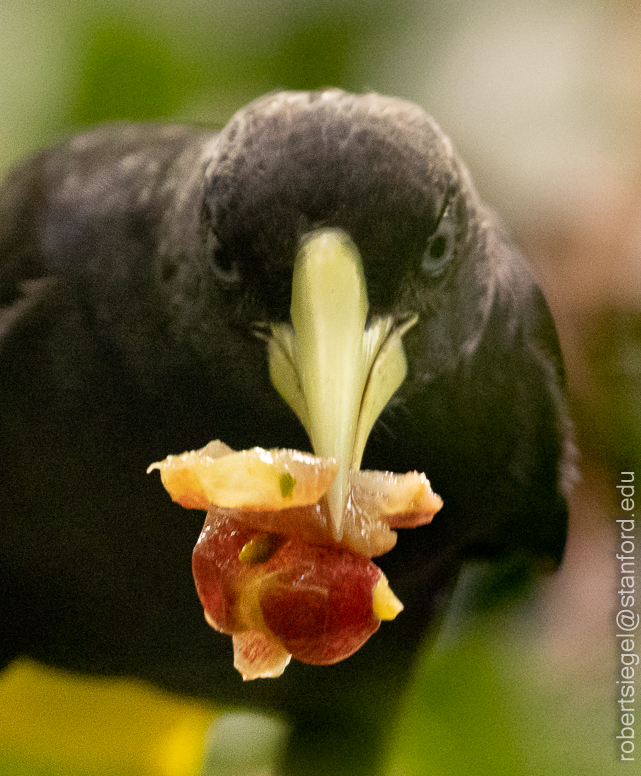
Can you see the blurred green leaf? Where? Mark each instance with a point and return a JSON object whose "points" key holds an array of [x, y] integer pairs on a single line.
{"points": [[482, 705], [125, 74]]}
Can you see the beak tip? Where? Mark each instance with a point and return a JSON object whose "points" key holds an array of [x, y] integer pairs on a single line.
{"points": [[336, 507]]}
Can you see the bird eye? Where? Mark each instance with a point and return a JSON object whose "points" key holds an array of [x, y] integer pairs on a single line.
{"points": [[226, 269], [440, 247]]}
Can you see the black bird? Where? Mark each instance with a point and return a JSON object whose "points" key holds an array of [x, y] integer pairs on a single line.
{"points": [[136, 262]]}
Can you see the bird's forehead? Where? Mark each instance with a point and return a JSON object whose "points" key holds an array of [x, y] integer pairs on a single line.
{"points": [[330, 111], [388, 138], [331, 157]]}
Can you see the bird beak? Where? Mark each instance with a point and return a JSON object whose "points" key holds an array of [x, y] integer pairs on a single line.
{"points": [[335, 372]]}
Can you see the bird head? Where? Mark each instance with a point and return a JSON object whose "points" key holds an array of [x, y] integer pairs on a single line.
{"points": [[346, 233], [332, 224]]}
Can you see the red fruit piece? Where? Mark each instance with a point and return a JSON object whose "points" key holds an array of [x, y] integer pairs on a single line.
{"points": [[279, 596], [320, 604], [268, 568]]}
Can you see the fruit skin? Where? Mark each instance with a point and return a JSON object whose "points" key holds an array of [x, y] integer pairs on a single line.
{"points": [[321, 603], [316, 601], [218, 572]]}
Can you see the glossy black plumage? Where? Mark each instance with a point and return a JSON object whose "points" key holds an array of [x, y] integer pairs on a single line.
{"points": [[135, 262]]}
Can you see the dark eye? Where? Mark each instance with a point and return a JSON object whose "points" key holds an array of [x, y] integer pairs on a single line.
{"points": [[226, 269], [440, 247]]}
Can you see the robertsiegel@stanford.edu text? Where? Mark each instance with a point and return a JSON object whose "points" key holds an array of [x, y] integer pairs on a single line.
{"points": [[627, 620]]}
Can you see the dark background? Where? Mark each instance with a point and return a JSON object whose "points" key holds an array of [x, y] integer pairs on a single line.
{"points": [[543, 100]]}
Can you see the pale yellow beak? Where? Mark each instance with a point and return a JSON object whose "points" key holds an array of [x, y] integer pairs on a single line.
{"points": [[336, 373]]}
